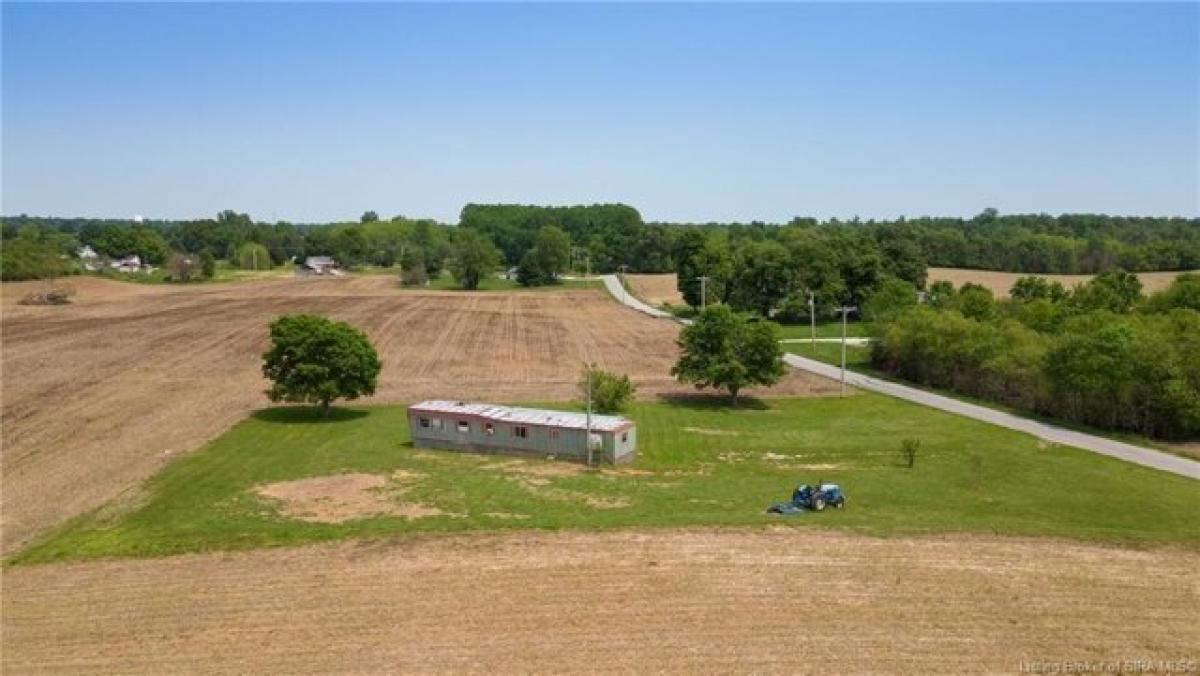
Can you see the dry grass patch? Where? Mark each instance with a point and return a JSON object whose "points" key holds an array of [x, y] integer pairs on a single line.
{"points": [[711, 432], [344, 497]]}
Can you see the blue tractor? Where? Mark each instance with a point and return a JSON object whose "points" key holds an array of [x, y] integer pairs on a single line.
{"points": [[813, 498], [819, 497]]}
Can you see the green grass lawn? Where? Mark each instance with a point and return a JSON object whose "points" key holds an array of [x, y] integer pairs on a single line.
{"points": [[858, 357], [700, 463], [825, 330]]}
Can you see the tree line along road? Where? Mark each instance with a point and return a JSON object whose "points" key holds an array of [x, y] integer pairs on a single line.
{"points": [[1139, 455]]}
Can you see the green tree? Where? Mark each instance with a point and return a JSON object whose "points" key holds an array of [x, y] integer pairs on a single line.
{"points": [[208, 264], [941, 295], [253, 256], [976, 302], [1183, 293], [763, 277], [529, 270], [892, 298], [725, 349], [473, 256], [1034, 288], [552, 250], [315, 360], [610, 392], [31, 255], [369, 217], [1116, 291]]}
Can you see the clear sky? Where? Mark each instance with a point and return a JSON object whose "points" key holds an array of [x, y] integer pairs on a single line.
{"points": [[313, 112]]}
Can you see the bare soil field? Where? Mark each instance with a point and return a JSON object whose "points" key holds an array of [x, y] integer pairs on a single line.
{"points": [[787, 600], [655, 289], [99, 394], [1001, 282], [659, 289]]}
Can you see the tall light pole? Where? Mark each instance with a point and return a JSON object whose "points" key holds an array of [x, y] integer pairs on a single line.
{"points": [[703, 290], [845, 310]]}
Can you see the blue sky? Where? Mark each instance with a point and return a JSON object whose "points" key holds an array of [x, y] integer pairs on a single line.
{"points": [[312, 112]]}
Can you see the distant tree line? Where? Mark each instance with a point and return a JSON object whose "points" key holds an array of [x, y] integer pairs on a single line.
{"points": [[837, 261], [1101, 354]]}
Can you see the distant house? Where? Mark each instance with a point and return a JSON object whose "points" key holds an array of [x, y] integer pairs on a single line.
{"points": [[319, 265], [127, 264], [89, 257], [527, 431]]}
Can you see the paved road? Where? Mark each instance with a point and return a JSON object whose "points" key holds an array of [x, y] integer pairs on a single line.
{"points": [[1128, 452]]}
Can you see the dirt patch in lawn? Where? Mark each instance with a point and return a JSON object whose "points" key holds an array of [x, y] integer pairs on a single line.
{"points": [[344, 497], [544, 470], [708, 432], [506, 515]]}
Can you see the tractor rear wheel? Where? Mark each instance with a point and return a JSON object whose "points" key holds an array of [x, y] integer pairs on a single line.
{"points": [[817, 503]]}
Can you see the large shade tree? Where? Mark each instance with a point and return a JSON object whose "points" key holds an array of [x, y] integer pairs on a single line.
{"points": [[473, 256], [728, 350], [315, 360]]}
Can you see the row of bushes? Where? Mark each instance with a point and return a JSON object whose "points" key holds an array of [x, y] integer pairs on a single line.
{"points": [[1134, 368]]}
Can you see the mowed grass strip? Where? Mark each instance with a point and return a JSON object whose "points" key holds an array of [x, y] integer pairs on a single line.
{"points": [[858, 357], [700, 463]]}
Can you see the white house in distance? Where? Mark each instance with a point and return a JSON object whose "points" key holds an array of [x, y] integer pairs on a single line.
{"points": [[319, 265], [127, 264]]}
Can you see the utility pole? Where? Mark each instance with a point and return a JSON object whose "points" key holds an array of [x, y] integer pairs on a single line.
{"points": [[845, 310], [622, 268], [812, 318], [587, 435], [703, 290]]}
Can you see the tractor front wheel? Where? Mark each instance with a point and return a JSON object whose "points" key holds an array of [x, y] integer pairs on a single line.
{"points": [[818, 503]]}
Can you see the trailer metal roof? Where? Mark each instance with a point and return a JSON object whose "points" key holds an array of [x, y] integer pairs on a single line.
{"points": [[523, 416]]}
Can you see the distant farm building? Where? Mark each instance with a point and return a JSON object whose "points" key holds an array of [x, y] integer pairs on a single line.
{"points": [[318, 265], [528, 431], [131, 263]]}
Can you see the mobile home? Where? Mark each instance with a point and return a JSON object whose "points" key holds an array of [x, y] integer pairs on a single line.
{"points": [[527, 431]]}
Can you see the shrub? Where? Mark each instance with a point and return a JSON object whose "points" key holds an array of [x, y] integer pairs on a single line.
{"points": [[610, 392], [908, 450]]}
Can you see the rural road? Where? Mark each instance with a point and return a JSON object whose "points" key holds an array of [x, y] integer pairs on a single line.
{"points": [[1138, 455]]}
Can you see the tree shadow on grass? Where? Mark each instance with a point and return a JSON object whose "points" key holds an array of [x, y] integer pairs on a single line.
{"points": [[714, 402], [307, 415]]}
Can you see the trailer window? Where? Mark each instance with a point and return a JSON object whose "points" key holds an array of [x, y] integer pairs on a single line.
{"points": [[624, 437], [521, 432], [489, 429], [424, 422], [464, 426]]}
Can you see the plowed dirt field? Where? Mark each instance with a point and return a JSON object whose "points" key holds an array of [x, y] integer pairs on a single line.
{"points": [[796, 600]]}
